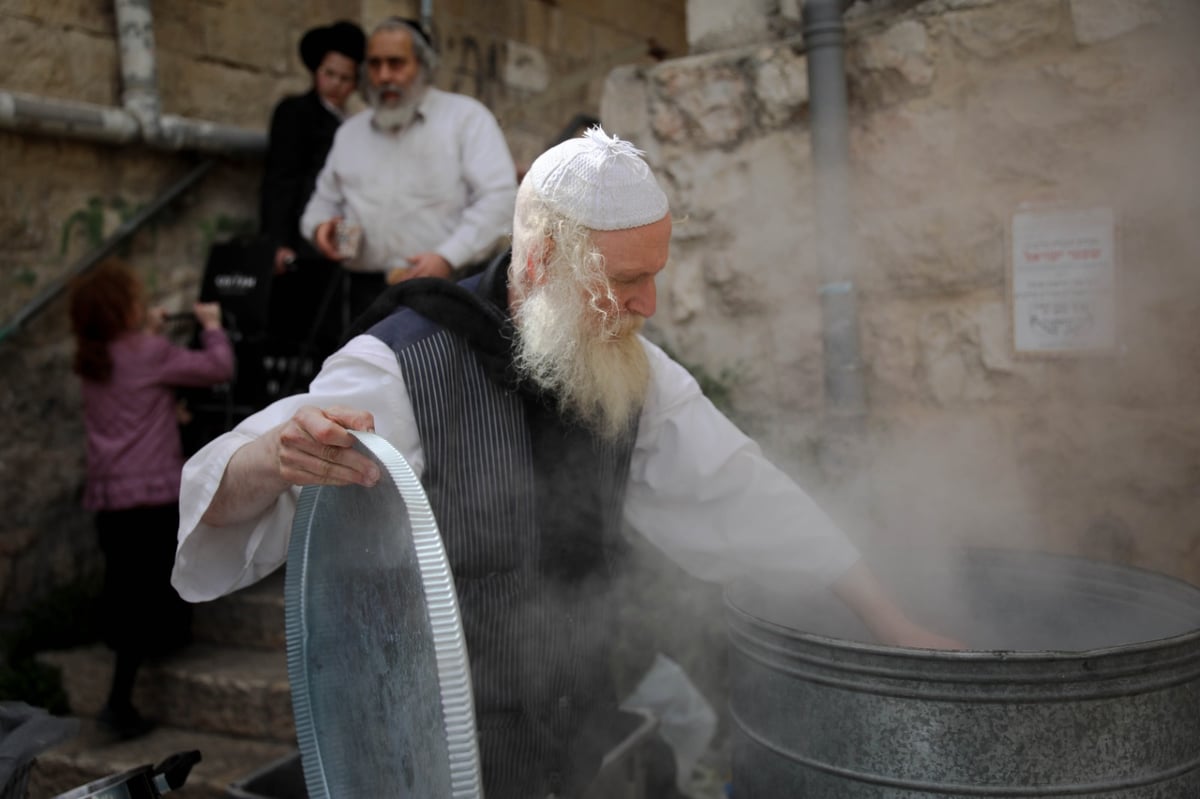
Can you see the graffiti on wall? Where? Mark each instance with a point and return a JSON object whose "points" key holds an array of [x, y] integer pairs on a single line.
{"points": [[473, 66], [493, 70]]}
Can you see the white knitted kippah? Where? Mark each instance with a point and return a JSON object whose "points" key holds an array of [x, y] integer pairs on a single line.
{"points": [[599, 181]]}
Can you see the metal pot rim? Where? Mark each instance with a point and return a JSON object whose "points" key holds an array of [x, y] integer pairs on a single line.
{"points": [[111, 781]]}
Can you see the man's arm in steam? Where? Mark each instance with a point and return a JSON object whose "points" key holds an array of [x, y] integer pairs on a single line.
{"points": [[861, 590], [703, 492]]}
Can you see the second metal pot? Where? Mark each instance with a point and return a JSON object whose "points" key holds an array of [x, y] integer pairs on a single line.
{"points": [[143, 782]]}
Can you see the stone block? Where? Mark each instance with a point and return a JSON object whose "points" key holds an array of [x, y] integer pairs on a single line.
{"points": [[216, 92], [995, 337], [252, 618], [577, 43], [525, 68], [669, 28], [543, 25], [611, 39], [66, 65], [81, 15], [950, 357], [225, 691], [736, 288], [373, 11], [16, 540], [525, 146], [1096, 21], [683, 290], [780, 85], [624, 107], [1004, 29], [903, 49], [945, 246], [900, 152], [179, 28], [1107, 78], [247, 40], [887, 332], [719, 24], [713, 100]]}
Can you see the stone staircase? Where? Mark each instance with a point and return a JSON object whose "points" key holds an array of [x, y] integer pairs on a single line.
{"points": [[226, 695]]}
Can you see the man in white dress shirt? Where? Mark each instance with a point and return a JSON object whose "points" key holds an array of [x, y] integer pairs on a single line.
{"points": [[426, 175], [541, 423]]}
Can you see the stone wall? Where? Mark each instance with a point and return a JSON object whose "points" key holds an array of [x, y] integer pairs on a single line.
{"points": [[536, 63], [963, 112]]}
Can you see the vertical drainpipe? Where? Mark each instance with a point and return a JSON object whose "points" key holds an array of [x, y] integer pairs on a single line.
{"points": [[427, 14], [139, 76], [824, 38]]}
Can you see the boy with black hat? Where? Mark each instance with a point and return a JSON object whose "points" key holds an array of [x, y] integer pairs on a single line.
{"points": [[302, 129]]}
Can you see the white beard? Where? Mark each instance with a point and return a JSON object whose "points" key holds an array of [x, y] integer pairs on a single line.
{"points": [[597, 368], [399, 115]]}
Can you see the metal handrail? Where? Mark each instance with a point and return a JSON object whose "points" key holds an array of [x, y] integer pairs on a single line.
{"points": [[107, 247]]}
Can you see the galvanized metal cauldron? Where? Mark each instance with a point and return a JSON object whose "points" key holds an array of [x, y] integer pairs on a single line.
{"points": [[1083, 680]]}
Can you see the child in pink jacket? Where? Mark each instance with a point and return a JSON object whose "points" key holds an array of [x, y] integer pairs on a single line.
{"points": [[129, 374]]}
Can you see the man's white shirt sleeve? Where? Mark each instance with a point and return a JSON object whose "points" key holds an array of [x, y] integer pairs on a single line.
{"points": [[703, 492], [699, 489], [213, 561]]}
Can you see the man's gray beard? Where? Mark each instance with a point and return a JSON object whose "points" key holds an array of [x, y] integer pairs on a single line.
{"points": [[399, 116], [599, 372]]}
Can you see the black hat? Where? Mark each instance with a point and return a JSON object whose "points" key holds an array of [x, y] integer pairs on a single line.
{"points": [[340, 37]]}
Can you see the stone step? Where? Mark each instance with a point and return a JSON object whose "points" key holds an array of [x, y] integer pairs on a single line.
{"points": [[94, 755], [250, 618], [240, 692]]}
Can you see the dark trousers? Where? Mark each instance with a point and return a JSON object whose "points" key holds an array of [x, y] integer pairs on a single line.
{"points": [[141, 613]]}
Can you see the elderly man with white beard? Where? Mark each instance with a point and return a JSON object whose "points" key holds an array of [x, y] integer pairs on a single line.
{"points": [[425, 175], [542, 425]]}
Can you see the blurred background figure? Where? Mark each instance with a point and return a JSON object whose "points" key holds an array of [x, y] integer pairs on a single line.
{"points": [[302, 288], [301, 133], [421, 184], [129, 371]]}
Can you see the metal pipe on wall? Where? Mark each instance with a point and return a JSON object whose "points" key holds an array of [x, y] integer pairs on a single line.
{"points": [[824, 38], [27, 113], [140, 120], [139, 63], [427, 14]]}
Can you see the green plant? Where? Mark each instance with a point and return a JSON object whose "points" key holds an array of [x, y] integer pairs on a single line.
{"points": [[91, 221], [91, 218]]}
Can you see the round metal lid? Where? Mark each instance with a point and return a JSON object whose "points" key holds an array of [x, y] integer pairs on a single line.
{"points": [[377, 660]]}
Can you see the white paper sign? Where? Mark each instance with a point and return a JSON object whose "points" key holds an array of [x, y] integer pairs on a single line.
{"points": [[1064, 280]]}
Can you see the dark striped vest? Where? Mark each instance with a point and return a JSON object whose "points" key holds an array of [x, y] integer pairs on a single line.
{"points": [[529, 508]]}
